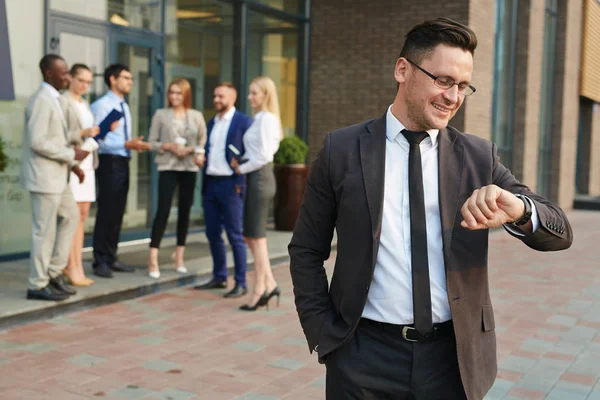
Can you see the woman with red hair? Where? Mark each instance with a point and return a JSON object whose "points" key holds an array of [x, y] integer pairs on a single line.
{"points": [[178, 135]]}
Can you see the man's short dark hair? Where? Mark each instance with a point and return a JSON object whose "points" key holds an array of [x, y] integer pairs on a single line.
{"points": [[48, 61], [227, 85], [114, 70], [424, 38]]}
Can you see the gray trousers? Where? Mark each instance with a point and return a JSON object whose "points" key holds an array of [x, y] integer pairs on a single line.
{"points": [[55, 219]]}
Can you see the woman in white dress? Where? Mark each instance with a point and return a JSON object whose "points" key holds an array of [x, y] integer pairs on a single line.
{"points": [[80, 124]]}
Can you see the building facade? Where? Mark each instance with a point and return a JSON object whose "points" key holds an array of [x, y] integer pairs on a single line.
{"points": [[537, 75], [205, 41]]}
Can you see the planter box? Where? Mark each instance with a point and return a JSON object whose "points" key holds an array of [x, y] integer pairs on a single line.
{"points": [[291, 182]]}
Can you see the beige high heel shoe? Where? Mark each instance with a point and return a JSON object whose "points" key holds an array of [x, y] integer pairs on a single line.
{"points": [[153, 270], [179, 268]]}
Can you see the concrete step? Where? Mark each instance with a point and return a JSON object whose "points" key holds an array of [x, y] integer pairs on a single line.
{"points": [[15, 309]]}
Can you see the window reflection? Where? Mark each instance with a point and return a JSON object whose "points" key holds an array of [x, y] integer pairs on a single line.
{"points": [[199, 42], [273, 51], [145, 14]]}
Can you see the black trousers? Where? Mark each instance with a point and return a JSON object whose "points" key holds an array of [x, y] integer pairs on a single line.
{"points": [[168, 181], [112, 177], [378, 364]]}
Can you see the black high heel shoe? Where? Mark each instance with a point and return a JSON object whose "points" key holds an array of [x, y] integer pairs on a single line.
{"points": [[275, 293], [261, 302]]}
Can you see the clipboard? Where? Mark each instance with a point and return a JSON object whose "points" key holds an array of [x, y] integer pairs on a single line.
{"points": [[113, 116]]}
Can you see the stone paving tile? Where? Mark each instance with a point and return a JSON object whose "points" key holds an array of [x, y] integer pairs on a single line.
{"points": [[256, 396], [62, 320], [152, 327], [131, 392], [87, 359], [161, 365], [518, 364], [260, 327], [248, 346], [174, 394], [150, 340], [38, 348], [319, 382], [500, 388], [300, 342], [287, 363]]}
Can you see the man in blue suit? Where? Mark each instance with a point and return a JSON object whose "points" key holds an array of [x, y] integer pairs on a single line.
{"points": [[223, 190]]}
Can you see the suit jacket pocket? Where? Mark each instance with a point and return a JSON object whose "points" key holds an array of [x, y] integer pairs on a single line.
{"points": [[488, 318]]}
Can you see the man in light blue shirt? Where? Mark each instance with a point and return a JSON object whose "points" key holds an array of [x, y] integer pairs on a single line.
{"points": [[112, 174]]}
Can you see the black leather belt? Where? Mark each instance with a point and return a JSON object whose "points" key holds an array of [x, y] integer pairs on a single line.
{"points": [[220, 177], [439, 331], [113, 157]]}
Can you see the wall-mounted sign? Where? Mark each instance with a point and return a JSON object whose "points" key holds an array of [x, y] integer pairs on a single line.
{"points": [[7, 90]]}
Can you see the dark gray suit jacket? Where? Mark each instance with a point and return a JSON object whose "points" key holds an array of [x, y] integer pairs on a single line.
{"points": [[345, 192]]}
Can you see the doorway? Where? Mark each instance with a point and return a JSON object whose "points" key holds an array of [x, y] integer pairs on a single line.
{"points": [[99, 45]]}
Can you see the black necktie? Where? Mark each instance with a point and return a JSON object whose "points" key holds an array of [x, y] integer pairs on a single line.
{"points": [[418, 234], [127, 151]]}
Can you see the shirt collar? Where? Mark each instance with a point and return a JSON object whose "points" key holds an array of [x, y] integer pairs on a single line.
{"points": [[227, 116], [114, 97], [55, 93], [393, 128]]}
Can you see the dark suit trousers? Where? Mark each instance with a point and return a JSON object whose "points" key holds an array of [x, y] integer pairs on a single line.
{"points": [[168, 181], [223, 203], [112, 177], [378, 364]]}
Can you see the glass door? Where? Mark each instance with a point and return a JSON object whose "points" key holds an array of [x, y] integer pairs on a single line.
{"points": [[84, 44], [97, 46], [141, 55]]}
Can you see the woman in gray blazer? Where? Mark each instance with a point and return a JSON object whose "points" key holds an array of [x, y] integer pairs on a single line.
{"points": [[80, 125], [178, 135]]}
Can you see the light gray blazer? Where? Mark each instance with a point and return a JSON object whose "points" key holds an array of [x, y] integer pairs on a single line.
{"points": [[47, 154], [161, 132], [73, 121]]}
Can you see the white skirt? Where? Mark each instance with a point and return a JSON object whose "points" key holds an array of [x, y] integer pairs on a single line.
{"points": [[84, 192]]}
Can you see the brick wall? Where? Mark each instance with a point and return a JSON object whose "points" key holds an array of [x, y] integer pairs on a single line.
{"points": [[528, 86], [354, 47], [478, 107]]}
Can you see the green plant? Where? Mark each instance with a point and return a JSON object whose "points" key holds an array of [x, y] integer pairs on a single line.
{"points": [[292, 150], [3, 156]]}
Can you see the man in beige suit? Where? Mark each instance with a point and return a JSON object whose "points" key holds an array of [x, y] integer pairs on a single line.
{"points": [[45, 165]]}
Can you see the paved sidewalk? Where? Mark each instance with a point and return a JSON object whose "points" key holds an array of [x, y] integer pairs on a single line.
{"points": [[186, 344], [15, 309]]}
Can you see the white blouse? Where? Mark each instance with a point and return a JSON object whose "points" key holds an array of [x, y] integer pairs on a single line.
{"points": [[261, 141]]}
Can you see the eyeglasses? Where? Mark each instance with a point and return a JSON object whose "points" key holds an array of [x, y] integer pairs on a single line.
{"points": [[446, 82]]}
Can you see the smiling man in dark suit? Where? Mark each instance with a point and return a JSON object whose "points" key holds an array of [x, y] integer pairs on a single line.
{"points": [[223, 190], [408, 313]]}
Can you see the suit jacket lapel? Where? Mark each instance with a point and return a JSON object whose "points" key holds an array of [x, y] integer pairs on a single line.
{"points": [[232, 128], [450, 165], [56, 104], [372, 160]]}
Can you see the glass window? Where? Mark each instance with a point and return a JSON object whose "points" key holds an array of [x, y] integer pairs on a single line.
{"points": [[199, 48], [273, 52], [291, 6], [547, 95], [145, 14], [504, 78]]}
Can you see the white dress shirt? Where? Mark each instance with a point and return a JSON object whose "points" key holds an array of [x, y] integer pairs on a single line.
{"points": [[217, 160], [261, 141], [390, 297]]}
